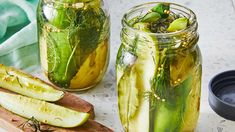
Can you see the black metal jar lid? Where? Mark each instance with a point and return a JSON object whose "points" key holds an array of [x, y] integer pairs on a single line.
{"points": [[222, 94]]}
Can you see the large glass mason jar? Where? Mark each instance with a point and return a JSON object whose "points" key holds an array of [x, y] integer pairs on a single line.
{"points": [[158, 74], [74, 42]]}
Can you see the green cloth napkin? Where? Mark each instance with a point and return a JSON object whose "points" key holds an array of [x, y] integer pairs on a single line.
{"points": [[18, 33]]}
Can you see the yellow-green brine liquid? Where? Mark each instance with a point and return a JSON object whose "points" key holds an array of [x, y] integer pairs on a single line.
{"points": [[159, 69], [74, 42]]}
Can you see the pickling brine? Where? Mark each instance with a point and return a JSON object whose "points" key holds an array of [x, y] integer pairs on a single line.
{"points": [[159, 69], [74, 42]]}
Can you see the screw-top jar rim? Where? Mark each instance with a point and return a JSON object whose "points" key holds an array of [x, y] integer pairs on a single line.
{"points": [[139, 8]]}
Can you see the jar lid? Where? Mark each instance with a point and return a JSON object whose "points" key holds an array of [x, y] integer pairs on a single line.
{"points": [[222, 94]]}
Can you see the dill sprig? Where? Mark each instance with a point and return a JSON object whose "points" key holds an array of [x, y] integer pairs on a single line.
{"points": [[35, 124], [13, 78]]}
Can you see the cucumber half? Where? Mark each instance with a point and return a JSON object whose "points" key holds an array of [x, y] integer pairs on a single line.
{"points": [[42, 111], [22, 83], [133, 80]]}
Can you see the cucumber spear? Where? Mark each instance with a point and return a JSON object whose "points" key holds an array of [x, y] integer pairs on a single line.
{"points": [[22, 83], [42, 111]]}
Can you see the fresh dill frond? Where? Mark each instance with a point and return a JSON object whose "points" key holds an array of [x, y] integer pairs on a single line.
{"points": [[35, 124]]}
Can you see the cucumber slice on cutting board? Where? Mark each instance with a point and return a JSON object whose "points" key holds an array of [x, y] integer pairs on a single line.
{"points": [[42, 111], [22, 83]]}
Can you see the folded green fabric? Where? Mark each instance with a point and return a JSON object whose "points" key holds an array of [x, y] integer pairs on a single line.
{"points": [[17, 31]]}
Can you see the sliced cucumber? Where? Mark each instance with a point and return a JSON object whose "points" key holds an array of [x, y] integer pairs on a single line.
{"points": [[128, 96], [170, 113], [42, 111], [60, 58], [134, 81], [22, 83], [93, 68], [142, 26], [133, 107], [151, 17], [180, 67], [178, 24]]}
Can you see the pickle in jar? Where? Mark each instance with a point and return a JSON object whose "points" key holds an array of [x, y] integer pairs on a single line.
{"points": [[74, 42], [158, 75]]}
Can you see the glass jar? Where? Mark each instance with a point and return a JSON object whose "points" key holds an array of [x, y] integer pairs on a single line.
{"points": [[74, 42], [159, 75]]}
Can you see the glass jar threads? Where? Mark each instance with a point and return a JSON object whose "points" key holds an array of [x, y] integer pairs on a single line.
{"points": [[74, 42], [159, 69]]}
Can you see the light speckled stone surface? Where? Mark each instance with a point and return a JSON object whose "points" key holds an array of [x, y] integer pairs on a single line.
{"points": [[217, 42]]}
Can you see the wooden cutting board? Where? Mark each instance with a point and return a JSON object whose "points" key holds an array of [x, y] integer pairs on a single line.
{"points": [[14, 123]]}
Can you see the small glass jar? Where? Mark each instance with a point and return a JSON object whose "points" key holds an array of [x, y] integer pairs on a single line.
{"points": [[74, 42], [159, 75]]}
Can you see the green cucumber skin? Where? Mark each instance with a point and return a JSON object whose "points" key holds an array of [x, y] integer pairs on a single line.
{"points": [[61, 68], [58, 47], [169, 114], [80, 33]]}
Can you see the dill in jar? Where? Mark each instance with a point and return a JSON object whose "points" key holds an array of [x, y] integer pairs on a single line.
{"points": [[73, 38], [158, 71]]}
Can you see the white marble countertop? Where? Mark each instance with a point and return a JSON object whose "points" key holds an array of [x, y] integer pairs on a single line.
{"points": [[217, 42]]}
